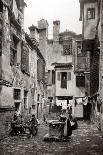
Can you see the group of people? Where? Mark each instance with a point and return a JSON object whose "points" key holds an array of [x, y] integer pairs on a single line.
{"points": [[18, 125]]}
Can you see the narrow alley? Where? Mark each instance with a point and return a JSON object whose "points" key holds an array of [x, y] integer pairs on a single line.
{"points": [[86, 140]]}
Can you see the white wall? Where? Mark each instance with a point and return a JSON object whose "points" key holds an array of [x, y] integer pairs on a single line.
{"points": [[70, 85], [71, 90]]}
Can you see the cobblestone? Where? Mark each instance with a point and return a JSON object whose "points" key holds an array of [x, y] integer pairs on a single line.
{"points": [[86, 140]]}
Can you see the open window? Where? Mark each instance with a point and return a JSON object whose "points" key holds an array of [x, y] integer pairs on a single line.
{"points": [[63, 79], [90, 13]]}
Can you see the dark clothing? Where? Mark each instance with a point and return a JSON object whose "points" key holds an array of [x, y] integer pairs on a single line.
{"points": [[69, 128], [89, 108], [85, 112]]}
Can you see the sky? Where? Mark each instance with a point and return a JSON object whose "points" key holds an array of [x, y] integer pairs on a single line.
{"points": [[67, 11]]}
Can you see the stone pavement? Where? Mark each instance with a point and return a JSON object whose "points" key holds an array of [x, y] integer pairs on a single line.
{"points": [[86, 140]]}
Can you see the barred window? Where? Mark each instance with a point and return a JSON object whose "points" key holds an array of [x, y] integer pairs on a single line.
{"points": [[67, 49]]}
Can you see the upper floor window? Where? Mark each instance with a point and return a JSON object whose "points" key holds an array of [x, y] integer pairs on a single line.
{"points": [[90, 13], [17, 94], [80, 81], [25, 58], [63, 79], [79, 48], [13, 50], [67, 49]]}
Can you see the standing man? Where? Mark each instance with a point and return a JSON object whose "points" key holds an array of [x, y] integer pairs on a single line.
{"points": [[85, 101], [89, 108]]}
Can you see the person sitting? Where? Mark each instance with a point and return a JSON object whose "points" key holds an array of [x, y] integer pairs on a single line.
{"points": [[33, 126]]}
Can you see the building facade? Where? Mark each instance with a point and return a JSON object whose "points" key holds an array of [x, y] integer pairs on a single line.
{"points": [[21, 66], [91, 15], [62, 62], [40, 72]]}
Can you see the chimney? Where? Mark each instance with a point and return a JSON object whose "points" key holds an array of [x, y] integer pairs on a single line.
{"points": [[56, 29], [43, 26], [34, 33], [43, 36]]}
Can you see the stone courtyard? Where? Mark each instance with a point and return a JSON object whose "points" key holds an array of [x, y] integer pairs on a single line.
{"points": [[86, 140]]}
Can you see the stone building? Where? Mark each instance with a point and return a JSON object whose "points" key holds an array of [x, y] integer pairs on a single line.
{"points": [[21, 66], [41, 85], [62, 60], [91, 14]]}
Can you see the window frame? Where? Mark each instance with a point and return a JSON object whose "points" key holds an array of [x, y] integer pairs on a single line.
{"points": [[80, 85], [17, 94], [92, 13], [64, 82], [67, 47]]}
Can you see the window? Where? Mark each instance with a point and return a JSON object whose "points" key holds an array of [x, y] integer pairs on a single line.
{"points": [[17, 94], [17, 106], [80, 81], [25, 59], [90, 13], [63, 79], [25, 99], [13, 56], [13, 51], [67, 49], [79, 48]]}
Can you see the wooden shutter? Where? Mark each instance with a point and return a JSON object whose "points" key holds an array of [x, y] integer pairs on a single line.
{"points": [[69, 76], [58, 76]]}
